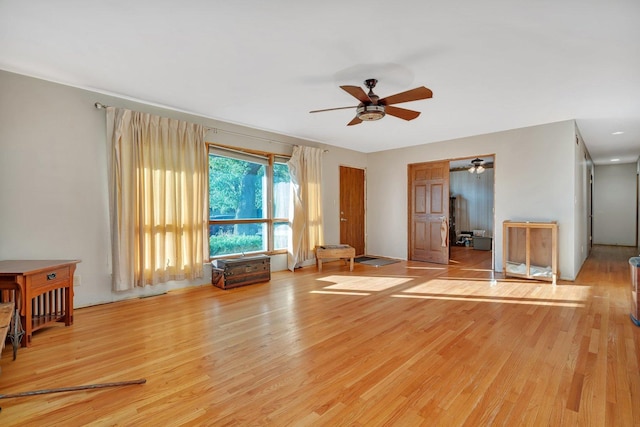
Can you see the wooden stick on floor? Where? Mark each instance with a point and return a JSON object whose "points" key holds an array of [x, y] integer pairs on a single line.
{"points": [[74, 388]]}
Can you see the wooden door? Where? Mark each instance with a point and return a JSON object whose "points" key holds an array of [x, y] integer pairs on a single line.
{"points": [[352, 208], [429, 212]]}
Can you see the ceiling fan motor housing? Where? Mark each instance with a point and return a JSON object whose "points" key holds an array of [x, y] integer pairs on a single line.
{"points": [[370, 112]]}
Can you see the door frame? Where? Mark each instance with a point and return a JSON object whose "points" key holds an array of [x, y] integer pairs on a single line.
{"points": [[493, 216]]}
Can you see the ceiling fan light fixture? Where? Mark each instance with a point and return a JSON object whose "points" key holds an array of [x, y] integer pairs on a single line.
{"points": [[370, 112], [476, 166]]}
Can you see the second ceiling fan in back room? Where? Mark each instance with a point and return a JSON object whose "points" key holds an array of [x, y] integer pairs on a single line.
{"points": [[372, 107]]}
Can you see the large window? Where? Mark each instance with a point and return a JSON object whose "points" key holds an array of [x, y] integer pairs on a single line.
{"points": [[249, 199]]}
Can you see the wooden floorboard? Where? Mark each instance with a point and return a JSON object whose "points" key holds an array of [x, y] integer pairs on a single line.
{"points": [[403, 344]]}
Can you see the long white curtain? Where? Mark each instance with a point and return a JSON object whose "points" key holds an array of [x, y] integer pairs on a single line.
{"points": [[305, 169], [157, 187]]}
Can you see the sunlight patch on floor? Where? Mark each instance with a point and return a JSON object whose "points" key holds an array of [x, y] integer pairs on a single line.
{"points": [[573, 304], [364, 283], [521, 292], [340, 293], [490, 290]]}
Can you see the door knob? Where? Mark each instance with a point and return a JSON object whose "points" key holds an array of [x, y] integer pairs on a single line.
{"points": [[343, 219]]}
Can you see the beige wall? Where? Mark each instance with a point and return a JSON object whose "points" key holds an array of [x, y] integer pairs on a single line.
{"points": [[53, 178], [534, 181], [614, 205], [53, 181]]}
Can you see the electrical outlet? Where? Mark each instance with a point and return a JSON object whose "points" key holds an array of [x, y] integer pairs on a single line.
{"points": [[76, 280]]}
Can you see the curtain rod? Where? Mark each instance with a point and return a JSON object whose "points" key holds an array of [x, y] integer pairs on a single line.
{"points": [[216, 130], [261, 138], [101, 106]]}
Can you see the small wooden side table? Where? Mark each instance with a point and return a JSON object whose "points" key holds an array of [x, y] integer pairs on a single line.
{"points": [[46, 287], [335, 251]]}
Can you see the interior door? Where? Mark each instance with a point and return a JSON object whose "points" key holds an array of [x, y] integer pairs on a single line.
{"points": [[429, 212], [352, 208], [590, 210]]}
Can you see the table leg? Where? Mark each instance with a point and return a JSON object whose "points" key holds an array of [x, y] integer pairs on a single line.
{"points": [[319, 264], [351, 264], [25, 310], [68, 317]]}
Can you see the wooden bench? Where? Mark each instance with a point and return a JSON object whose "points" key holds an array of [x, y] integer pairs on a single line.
{"points": [[345, 252]]}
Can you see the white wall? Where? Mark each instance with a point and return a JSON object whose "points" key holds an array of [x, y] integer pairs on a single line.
{"points": [[534, 180], [53, 178], [614, 205]]}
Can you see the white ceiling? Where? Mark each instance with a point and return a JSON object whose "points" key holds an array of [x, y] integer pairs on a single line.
{"points": [[492, 65]]}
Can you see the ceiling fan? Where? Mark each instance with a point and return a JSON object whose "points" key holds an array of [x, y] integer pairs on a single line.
{"points": [[477, 166], [372, 107]]}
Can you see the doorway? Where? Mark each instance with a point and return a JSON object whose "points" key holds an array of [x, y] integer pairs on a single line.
{"points": [[448, 205], [472, 213], [352, 201]]}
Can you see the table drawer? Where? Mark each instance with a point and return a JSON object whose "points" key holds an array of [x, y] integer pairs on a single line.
{"points": [[52, 278]]}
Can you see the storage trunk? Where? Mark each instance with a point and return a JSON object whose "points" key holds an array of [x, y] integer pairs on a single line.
{"points": [[231, 273]]}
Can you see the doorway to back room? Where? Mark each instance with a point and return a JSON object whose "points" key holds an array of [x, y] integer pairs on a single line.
{"points": [[471, 210]]}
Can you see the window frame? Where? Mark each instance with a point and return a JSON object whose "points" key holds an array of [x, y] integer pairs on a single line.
{"points": [[268, 219]]}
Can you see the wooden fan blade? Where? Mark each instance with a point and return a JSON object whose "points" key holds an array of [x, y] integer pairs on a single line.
{"points": [[331, 109], [401, 113], [410, 95], [355, 121], [357, 93]]}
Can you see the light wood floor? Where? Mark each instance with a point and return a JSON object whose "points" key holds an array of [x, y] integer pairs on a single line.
{"points": [[404, 344]]}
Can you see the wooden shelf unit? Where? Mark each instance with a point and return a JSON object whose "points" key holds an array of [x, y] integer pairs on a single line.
{"points": [[530, 250]]}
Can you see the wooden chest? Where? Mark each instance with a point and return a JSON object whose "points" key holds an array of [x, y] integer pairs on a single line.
{"points": [[231, 273]]}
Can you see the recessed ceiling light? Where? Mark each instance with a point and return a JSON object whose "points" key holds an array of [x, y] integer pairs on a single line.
{"points": [[615, 160], [617, 133]]}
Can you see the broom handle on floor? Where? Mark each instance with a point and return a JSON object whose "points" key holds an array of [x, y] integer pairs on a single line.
{"points": [[74, 388]]}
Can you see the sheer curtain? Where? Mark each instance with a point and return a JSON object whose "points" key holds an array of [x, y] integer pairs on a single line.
{"points": [[305, 168], [157, 187]]}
